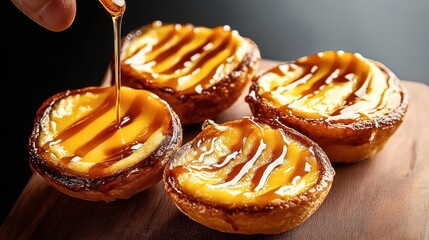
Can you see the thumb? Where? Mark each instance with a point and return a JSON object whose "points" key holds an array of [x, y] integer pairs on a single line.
{"points": [[55, 15]]}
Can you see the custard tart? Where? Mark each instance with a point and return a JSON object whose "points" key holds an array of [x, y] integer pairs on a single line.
{"points": [[249, 176], [83, 148], [200, 71], [350, 105]]}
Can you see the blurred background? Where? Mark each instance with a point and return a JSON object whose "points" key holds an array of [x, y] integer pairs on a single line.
{"points": [[38, 63]]}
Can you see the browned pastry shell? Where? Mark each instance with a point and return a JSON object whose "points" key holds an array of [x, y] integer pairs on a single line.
{"points": [[110, 178], [347, 136], [241, 207], [193, 105]]}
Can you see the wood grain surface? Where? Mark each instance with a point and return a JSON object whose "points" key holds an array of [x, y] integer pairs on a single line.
{"points": [[385, 197]]}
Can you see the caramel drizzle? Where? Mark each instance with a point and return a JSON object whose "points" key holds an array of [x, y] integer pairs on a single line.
{"points": [[228, 42], [164, 55], [345, 69], [187, 57], [81, 123], [262, 173], [239, 170], [123, 151], [300, 171], [119, 152], [156, 46]]}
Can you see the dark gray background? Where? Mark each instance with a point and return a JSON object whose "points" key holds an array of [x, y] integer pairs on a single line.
{"points": [[37, 63]]}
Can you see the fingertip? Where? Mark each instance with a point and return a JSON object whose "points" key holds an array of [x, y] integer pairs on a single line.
{"points": [[54, 15], [58, 15]]}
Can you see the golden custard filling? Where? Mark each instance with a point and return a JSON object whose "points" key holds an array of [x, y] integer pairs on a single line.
{"points": [[184, 58], [80, 132], [336, 86], [245, 161]]}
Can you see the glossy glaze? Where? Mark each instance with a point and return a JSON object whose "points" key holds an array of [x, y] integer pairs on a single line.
{"points": [[80, 133], [116, 8], [245, 161], [335, 86], [183, 57]]}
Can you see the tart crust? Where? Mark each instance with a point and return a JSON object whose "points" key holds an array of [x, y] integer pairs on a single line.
{"points": [[347, 140], [197, 103], [101, 179], [267, 210]]}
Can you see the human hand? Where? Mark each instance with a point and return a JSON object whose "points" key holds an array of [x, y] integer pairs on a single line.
{"points": [[54, 15]]}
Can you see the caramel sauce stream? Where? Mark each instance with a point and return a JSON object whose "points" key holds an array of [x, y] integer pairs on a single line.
{"points": [[116, 8], [104, 128]]}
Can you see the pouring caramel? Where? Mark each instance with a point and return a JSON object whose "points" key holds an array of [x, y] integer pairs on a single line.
{"points": [[116, 8], [104, 143]]}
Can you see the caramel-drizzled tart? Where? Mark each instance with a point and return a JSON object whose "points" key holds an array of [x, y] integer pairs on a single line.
{"points": [[249, 176], [199, 71], [77, 146], [348, 104]]}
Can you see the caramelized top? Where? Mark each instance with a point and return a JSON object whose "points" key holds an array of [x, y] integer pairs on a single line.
{"points": [[79, 133], [183, 57], [335, 86], [245, 161]]}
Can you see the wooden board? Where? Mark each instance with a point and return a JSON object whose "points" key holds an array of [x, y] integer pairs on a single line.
{"points": [[386, 197]]}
